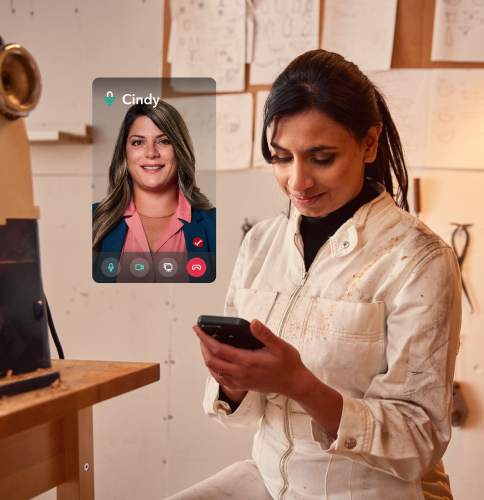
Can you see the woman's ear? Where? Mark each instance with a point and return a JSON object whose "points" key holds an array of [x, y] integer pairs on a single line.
{"points": [[371, 142]]}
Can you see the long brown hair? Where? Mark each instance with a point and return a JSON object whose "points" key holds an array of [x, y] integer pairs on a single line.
{"points": [[329, 83], [120, 188]]}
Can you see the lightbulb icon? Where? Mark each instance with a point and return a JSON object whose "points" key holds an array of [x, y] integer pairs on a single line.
{"points": [[111, 266]]}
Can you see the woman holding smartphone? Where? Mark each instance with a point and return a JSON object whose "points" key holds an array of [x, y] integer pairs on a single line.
{"points": [[357, 302]]}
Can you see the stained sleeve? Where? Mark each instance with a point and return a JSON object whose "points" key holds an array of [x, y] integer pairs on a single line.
{"points": [[251, 409], [402, 426]]}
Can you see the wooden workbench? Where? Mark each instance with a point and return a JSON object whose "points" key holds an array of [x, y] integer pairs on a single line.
{"points": [[46, 437]]}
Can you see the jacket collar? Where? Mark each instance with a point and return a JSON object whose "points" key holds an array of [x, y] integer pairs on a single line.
{"points": [[345, 240]]}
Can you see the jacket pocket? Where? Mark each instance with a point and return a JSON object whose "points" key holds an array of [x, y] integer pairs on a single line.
{"points": [[343, 343], [254, 304]]}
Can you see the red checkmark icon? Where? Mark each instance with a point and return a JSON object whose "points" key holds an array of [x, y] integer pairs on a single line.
{"points": [[198, 242]]}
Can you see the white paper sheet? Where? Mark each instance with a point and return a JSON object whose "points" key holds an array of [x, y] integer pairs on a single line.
{"points": [[458, 31], [258, 160], [199, 115], [234, 131], [456, 121], [361, 31], [407, 94], [284, 29], [208, 40]]}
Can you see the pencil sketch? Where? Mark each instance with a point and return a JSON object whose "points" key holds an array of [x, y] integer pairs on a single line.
{"points": [[458, 33], [209, 41], [361, 30], [234, 131], [257, 158], [200, 118], [284, 29], [456, 135]]}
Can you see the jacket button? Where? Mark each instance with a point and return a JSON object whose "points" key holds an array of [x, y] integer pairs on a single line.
{"points": [[345, 244], [350, 443]]}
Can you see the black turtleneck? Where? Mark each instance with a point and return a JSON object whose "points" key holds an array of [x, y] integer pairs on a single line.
{"points": [[315, 231]]}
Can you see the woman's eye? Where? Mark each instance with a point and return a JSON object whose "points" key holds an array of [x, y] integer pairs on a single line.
{"points": [[165, 142], [325, 161], [279, 159]]}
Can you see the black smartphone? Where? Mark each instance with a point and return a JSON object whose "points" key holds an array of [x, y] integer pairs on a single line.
{"points": [[233, 331]]}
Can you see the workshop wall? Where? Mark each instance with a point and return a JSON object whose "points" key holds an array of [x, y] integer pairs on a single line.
{"points": [[155, 441]]}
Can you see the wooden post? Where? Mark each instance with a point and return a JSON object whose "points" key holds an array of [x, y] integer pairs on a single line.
{"points": [[79, 457]]}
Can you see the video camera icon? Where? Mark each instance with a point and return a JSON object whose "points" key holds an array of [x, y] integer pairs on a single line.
{"points": [[139, 267], [168, 267]]}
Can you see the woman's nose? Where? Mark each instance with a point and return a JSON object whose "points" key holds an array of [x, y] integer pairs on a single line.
{"points": [[300, 177], [151, 151]]}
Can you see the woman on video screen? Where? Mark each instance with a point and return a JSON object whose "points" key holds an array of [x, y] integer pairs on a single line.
{"points": [[153, 204], [357, 302]]}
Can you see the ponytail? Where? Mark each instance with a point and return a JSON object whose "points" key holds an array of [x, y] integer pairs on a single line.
{"points": [[389, 158]]}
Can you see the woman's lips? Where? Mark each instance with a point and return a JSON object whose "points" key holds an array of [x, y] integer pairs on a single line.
{"points": [[151, 169], [306, 202]]}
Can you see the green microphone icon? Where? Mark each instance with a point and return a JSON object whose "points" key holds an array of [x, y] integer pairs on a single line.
{"points": [[109, 99], [111, 265]]}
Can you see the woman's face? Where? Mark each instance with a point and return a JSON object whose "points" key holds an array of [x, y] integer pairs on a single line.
{"points": [[151, 158], [318, 163]]}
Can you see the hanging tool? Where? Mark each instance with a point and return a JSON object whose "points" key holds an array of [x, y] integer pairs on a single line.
{"points": [[461, 257]]}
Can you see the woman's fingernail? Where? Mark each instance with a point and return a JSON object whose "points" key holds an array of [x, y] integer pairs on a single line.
{"points": [[257, 325]]}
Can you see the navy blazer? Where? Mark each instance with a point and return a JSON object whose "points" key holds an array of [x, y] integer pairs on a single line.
{"points": [[203, 225]]}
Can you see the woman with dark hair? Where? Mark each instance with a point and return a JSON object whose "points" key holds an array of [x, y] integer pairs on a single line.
{"points": [[357, 302], [153, 205]]}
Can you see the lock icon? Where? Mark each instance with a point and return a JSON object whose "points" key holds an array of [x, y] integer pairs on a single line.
{"points": [[109, 99]]}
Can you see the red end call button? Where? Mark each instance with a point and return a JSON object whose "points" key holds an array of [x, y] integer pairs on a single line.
{"points": [[196, 267]]}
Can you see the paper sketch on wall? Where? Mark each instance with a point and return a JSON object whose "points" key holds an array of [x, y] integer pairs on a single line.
{"points": [[458, 31], [200, 117], [284, 29], [407, 94], [439, 115], [207, 39], [456, 119], [361, 31], [258, 160], [234, 131]]}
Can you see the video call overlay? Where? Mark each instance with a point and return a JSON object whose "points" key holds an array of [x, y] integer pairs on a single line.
{"points": [[154, 138]]}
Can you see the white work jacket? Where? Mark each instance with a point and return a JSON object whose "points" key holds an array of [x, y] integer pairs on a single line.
{"points": [[376, 317]]}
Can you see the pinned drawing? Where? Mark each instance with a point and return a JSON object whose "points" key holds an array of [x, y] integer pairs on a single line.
{"points": [[361, 30], [407, 94], [284, 29], [458, 33], [456, 115], [200, 118], [234, 131], [258, 160], [208, 40]]}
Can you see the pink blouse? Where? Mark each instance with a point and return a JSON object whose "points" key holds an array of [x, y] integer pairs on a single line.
{"points": [[136, 249]]}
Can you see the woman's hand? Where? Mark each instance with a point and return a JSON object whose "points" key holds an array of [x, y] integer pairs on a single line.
{"points": [[275, 368]]}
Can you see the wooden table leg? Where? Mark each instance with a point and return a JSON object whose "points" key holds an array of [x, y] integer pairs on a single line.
{"points": [[32, 461], [79, 457]]}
